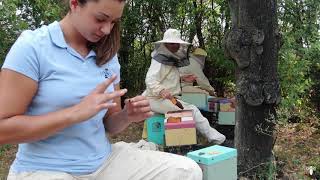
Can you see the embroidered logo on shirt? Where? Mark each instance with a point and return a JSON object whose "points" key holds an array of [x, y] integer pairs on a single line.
{"points": [[107, 73]]}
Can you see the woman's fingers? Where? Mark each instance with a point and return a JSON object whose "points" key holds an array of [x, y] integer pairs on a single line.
{"points": [[141, 110], [110, 96], [138, 104], [147, 115], [107, 105], [137, 101], [100, 88], [138, 108], [137, 98]]}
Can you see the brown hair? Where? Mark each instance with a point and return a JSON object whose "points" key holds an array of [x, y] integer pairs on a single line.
{"points": [[109, 45]]}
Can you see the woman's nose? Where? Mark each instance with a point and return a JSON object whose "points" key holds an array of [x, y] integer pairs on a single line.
{"points": [[106, 28]]}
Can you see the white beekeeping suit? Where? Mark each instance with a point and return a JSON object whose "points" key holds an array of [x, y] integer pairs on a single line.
{"points": [[163, 74], [197, 60]]}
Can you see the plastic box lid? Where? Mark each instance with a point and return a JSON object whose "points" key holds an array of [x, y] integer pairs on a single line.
{"points": [[179, 113], [212, 154], [182, 124]]}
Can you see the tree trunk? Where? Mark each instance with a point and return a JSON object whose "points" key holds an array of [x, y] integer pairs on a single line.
{"points": [[198, 22], [253, 43]]}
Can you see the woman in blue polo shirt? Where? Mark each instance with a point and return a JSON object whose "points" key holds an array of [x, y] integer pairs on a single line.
{"points": [[59, 92]]}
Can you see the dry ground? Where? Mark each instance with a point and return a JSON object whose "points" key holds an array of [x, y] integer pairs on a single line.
{"points": [[297, 148]]}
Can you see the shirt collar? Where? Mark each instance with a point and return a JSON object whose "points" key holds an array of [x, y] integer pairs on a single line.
{"points": [[56, 35]]}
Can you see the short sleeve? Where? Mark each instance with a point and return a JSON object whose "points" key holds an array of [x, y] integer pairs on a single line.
{"points": [[22, 58], [114, 66]]}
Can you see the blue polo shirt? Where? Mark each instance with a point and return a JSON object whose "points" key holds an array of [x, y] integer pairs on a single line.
{"points": [[64, 78]]}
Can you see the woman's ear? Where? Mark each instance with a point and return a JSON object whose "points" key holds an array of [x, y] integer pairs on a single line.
{"points": [[73, 4]]}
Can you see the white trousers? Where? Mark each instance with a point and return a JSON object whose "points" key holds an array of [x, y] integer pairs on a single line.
{"points": [[129, 163], [194, 89], [162, 106]]}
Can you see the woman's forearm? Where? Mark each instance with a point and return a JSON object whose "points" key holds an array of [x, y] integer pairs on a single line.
{"points": [[23, 128]]}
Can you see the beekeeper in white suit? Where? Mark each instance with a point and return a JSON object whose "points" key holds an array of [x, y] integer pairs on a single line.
{"points": [[163, 82], [197, 61]]}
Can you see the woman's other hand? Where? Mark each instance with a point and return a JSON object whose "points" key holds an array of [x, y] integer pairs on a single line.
{"points": [[97, 100], [137, 109]]}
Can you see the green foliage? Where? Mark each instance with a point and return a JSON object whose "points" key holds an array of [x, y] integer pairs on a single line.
{"points": [[271, 171], [144, 22], [220, 71], [10, 26], [299, 56], [4, 148], [18, 15], [314, 57], [267, 171], [294, 79]]}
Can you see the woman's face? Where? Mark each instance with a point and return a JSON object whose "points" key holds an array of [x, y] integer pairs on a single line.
{"points": [[172, 47], [95, 20]]}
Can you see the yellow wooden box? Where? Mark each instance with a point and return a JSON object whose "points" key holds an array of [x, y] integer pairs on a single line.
{"points": [[180, 133]]}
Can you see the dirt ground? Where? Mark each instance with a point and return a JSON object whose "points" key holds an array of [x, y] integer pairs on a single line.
{"points": [[297, 148]]}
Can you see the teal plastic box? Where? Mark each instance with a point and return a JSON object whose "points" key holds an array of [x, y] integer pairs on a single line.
{"points": [[226, 118], [155, 129], [216, 162], [200, 100]]}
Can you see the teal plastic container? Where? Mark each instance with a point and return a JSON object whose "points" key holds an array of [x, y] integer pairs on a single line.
{"points": [[155, 129], [216, 162], [200, 100], [226, 118]]}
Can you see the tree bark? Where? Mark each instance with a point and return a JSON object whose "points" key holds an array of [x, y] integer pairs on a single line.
{"points": [[253, 43], [198, 22]]}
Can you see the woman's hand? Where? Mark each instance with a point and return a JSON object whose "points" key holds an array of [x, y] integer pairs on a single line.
{"points": [[165, 94], [189, 78], [137, 109], [96, 101]]}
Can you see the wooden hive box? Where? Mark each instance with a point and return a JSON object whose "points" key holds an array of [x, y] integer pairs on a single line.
{"points": [[180, 128]]}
